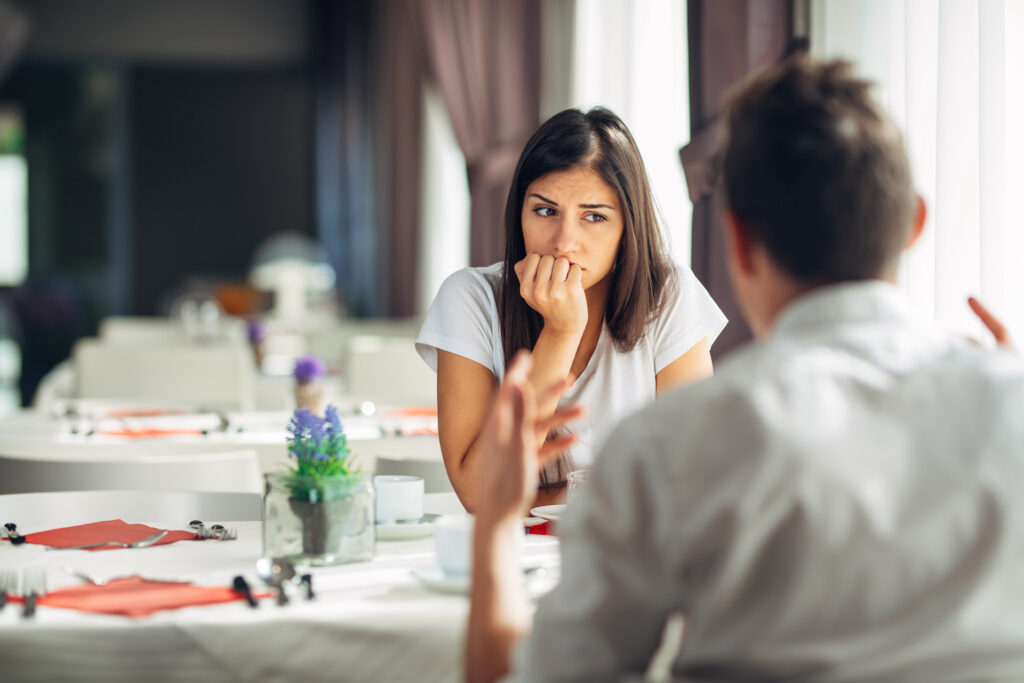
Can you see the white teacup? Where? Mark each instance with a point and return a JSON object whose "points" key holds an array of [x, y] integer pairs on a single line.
{"points": [[453, 542], [399, 498]]}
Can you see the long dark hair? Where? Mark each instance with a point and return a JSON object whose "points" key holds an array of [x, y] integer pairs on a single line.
{"points": [[597, 140]]}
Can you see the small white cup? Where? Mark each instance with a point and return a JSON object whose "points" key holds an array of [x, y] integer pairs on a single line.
{"points": [[453, 543], [399, 498]]}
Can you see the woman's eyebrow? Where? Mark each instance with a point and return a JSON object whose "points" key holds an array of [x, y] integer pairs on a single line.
{"points": [[582, 206]]}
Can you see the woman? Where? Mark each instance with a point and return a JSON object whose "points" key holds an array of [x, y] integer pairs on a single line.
{"points": [[586, 283]]}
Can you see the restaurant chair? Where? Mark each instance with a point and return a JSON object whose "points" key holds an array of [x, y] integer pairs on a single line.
{"points": [[388, 370], [39, 511], [435, 478], [25, 470], [219, 375]]}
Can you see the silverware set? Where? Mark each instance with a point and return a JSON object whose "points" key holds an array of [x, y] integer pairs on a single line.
{"points": [[216, 532], [30, 584]]}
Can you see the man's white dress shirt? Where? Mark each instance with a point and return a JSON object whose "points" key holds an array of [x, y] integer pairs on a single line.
{"points": [[843, 501]]}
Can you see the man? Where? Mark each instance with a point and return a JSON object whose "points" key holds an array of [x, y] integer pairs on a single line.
{"points": [[843, 501]]}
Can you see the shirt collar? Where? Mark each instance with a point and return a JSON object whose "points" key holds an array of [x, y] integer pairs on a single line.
{"points": [[847, 302]]}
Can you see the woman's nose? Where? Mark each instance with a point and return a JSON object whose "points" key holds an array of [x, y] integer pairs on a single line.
{"points": [[567, 238]]}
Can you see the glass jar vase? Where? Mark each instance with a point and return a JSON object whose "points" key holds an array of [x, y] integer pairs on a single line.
{"points": [[319, 521]]}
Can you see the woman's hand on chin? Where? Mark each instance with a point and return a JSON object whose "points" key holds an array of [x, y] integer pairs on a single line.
{"points": [[553, 287]]}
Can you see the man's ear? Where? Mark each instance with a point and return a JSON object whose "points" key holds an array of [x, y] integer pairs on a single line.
{"points": [[920, 216], [739, 244]]}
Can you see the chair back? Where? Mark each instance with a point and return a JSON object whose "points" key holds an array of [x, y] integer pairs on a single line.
{"points": [[41, 511], [388, 370], [216, 375]]}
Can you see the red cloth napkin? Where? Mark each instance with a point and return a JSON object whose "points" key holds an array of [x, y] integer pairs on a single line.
{"points": [[99, 532], [545, 529], [413, 411], [134, 596], [148, 433]]}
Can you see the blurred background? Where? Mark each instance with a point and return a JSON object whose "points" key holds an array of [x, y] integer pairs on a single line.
{"points": [[300, 164]]}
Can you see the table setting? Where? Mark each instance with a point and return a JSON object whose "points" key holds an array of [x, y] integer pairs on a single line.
{"points": [[347, 576]]}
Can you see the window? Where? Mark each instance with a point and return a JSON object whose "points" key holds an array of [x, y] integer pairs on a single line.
{"points": [[950, 75]]}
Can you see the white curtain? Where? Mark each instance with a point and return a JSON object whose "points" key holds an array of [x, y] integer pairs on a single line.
{"points": [[951, 73], [631, 56]]}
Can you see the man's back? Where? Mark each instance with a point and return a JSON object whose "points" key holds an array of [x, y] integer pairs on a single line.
{"points": [[839, 503]]}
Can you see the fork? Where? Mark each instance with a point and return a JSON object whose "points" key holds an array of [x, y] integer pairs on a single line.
{"points": [[144, 543], [33, 584], [8, 584]]}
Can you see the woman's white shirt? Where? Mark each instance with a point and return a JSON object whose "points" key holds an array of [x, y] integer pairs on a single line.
{"points": [[464, 320]]}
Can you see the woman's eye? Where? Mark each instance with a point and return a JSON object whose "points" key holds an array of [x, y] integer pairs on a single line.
{"points": [[544, 211], [594, 218]]}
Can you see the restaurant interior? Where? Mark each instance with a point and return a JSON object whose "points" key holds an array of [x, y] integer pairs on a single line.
{"points": [[223, 223]]}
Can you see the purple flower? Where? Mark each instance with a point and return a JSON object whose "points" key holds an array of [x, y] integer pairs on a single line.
{"points": [[309, 368], [257, 332], [332, 419]]}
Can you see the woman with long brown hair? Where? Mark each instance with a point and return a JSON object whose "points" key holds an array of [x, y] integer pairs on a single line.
{"points": [[586, 284]]}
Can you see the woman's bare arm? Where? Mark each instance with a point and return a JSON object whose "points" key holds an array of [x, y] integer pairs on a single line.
{"points": [[692, 366]]}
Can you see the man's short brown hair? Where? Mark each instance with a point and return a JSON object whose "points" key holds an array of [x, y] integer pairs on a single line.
{"points": [[817, 172]]}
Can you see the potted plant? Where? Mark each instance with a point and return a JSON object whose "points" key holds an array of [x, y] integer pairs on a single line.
{"points": [[322, 507]]}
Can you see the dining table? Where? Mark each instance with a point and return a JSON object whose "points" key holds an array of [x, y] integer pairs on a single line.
{"points": [[84, 429], [375, 620]]}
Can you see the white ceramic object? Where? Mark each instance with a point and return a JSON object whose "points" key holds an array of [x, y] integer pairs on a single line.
{"points": [[551, 513], [399, 498], [453, 543]]}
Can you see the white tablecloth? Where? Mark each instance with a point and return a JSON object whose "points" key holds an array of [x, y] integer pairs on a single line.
{"points": [[371, 621], [39, 434]]}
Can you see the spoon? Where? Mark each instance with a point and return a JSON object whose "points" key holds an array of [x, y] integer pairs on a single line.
{"points": [[276, 572]]}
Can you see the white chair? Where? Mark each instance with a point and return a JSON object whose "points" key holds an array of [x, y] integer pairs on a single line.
{"points": [[388, 370], [215, 375], [435, 478], [40, 511], [132, 329], [28, 470]]}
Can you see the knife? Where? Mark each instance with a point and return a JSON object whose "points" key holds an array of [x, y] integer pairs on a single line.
{"points": [[242, 586], [12, 534]]}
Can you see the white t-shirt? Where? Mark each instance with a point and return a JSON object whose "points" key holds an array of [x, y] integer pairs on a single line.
{"points": [[843, 502], [464, 320]]}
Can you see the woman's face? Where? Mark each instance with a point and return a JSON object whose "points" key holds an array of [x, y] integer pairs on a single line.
{"points": [[575, 214]]}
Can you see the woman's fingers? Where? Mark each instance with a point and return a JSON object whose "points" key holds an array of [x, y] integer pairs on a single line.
{"points": [[575, 276], [994, 325], [559, 270]]}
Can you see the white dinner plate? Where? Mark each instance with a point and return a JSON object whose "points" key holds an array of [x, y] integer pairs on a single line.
{"points": [[407, 531], [552, 513], [435, 579]]}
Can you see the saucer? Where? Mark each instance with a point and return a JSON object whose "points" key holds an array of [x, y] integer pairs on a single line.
{"points": [[552, 513], [435, 579], [406, 531]]}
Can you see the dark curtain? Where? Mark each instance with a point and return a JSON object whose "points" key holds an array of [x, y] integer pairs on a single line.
{"points": [[401, 103], [485, 55], [14, 30], [728, 39], [343, 57]]}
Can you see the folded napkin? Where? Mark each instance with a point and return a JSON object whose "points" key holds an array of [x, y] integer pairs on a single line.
{"points": [[148, 433], [413, 411], [100, 532], [139, 412], [545, 529], [134, 596]]}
